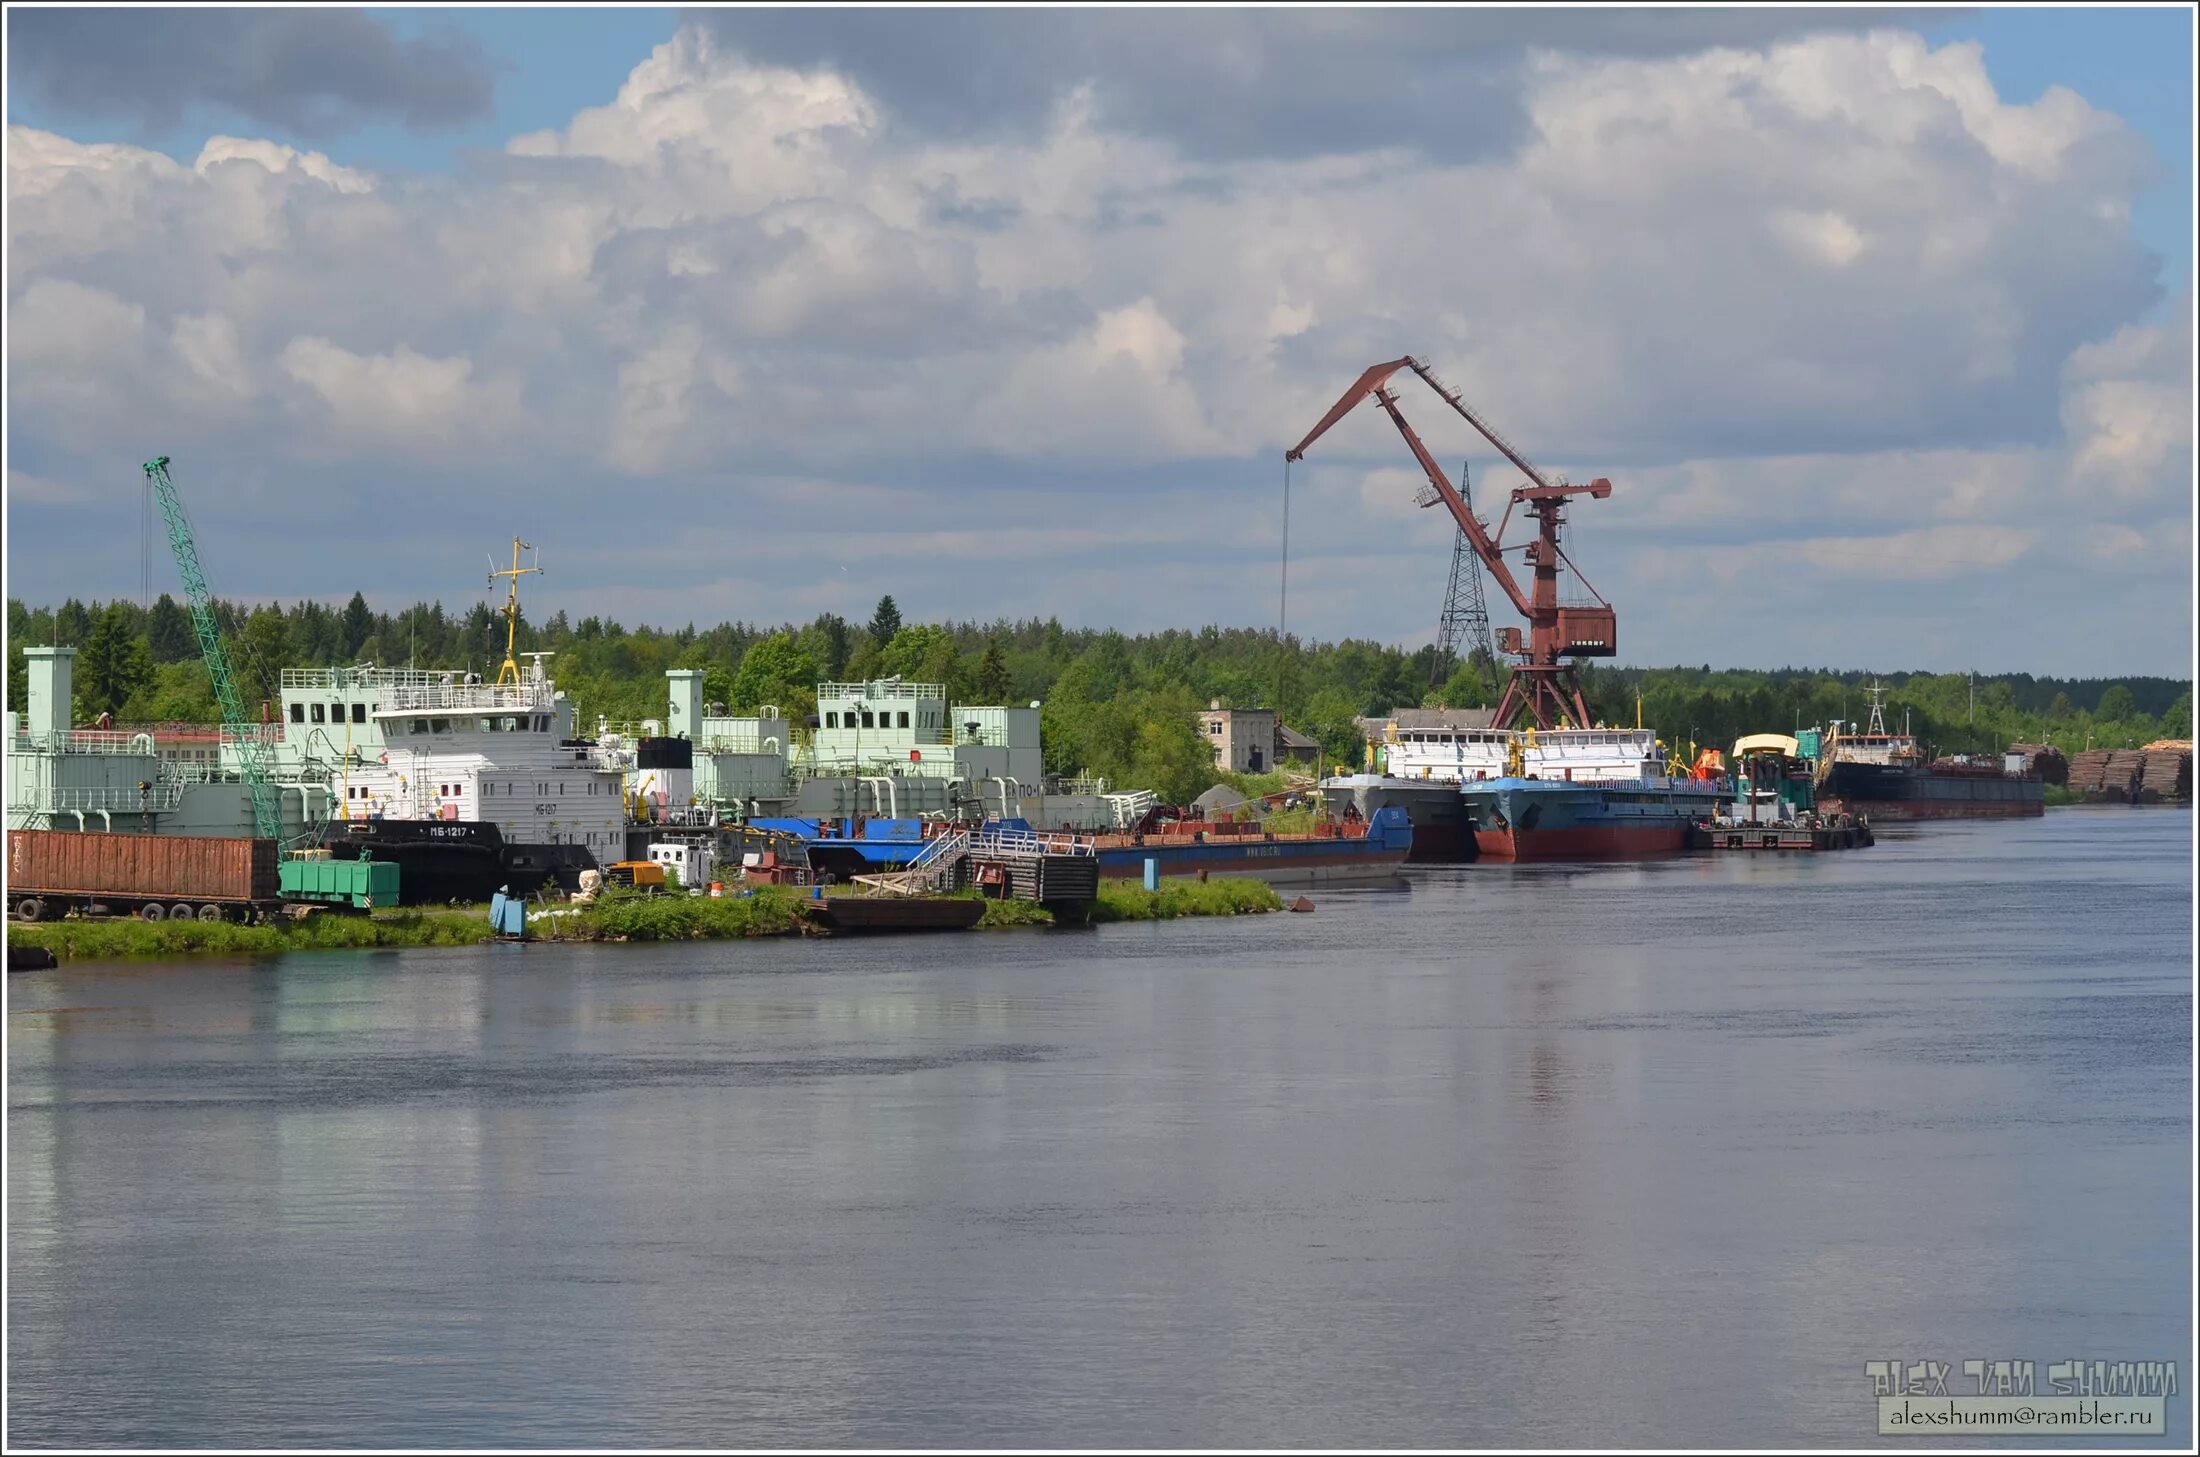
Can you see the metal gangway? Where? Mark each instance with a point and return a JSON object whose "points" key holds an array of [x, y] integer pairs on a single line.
{"points": [[1006, 842], [933, 869]]}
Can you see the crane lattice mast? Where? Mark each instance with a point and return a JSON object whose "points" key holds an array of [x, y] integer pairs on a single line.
{"points": [[1466, 618], [267, 818]]}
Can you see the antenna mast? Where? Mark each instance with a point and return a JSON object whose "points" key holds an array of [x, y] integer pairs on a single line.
{"points": [[509, 673]]}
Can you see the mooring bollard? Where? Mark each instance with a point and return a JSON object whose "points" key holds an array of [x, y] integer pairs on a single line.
{"points": [[1153, 873]]}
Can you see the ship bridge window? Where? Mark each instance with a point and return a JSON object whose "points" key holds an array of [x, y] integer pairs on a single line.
{"points": [[297, 713], [416, 725], [317, 716], [358, 713], [832, 720], [867, 719], [904, 716], [440, 725], [512, 725], [336, 713]]}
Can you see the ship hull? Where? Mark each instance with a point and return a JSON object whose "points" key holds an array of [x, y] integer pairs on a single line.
{"points": [[1441, 832], [1529, 819], [1291, 863], [1372, 856], [1890, 793], [440, 861], [1591, 842]]}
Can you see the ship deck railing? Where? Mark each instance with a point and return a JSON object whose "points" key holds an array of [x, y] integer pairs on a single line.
{"points": [[882, 691], [82, 741], [161, 798], [467, 698], [998, 840]]}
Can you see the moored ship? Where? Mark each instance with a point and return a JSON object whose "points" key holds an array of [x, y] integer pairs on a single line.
{"points": [[1586, 794], [1886, 776], [1438, 816]]}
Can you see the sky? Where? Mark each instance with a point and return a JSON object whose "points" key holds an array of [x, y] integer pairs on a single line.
{"points": [[1880, 322]]}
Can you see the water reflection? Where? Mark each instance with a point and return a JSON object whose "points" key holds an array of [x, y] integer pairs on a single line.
{"points": [[1546, 1156]]}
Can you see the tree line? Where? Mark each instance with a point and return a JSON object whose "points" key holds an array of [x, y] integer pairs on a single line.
{"points": [[1120, 705]]}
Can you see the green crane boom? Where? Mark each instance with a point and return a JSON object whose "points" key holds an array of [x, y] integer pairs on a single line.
{"points": [[267, 817]]}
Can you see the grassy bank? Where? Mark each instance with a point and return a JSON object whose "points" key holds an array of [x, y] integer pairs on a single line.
{"points": [[1129, 901], [102, 940], [769, 912], [2058, 794]]}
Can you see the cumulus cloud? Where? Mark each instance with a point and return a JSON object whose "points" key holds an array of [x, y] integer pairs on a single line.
{"points": [[1790, 289], [316, 72], [1262, 83], [404, 401]]}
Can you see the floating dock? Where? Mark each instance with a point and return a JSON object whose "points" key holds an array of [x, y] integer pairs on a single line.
{"points": [[1779, 837]]}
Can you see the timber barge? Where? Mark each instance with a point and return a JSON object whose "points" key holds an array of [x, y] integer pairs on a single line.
{"points": [[1885, 776], [1337, 853]]}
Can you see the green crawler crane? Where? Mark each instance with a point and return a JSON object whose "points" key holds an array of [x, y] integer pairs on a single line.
{"points": [[267, 815]]}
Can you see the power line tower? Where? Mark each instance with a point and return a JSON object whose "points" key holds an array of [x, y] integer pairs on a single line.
{"points": [[1466, 619]]}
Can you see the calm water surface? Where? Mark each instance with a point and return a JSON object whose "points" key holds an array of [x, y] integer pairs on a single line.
{"points": [[1588, 1155]]}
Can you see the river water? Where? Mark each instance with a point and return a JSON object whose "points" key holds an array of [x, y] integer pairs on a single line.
{"points": [[1657, 1153]]}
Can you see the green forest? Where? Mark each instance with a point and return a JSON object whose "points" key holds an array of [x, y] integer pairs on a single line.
{"points": [[1115, 704]]}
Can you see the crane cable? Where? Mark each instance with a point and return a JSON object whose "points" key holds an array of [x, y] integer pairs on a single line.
{"points": [[1283, 592]]}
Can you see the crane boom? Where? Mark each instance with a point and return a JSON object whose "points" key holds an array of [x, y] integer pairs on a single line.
{"points": [[1542, 687], [267, 819]]}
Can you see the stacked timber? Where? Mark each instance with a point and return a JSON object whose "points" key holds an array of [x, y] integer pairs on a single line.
{"points": [[2087, 771], [2120, 780], [2167, 775], [2045, 760]]}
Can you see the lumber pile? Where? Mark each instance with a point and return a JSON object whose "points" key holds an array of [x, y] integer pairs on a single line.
{"points": [[2087, 770], [2167, 775], [2120, 780], [2107, 776], [2151, 775]]}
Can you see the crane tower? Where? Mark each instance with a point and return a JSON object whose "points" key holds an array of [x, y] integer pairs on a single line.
{"points": [[1543, 689]]}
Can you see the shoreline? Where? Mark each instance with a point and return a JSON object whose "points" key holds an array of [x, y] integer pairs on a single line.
{"points": [[769, 912]]}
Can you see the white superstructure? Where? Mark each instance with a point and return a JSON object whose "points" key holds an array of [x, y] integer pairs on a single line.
{"points": [[1585, 755], [447, 746]]}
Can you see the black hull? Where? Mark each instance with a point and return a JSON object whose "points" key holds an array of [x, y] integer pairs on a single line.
{"points": [[440, 861], [1899, 792]]}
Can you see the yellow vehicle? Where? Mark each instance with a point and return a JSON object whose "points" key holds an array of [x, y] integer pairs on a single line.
{"points": [[639, 874]]}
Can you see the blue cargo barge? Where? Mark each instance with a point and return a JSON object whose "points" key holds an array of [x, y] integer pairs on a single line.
{"points": [[1352, 850]]}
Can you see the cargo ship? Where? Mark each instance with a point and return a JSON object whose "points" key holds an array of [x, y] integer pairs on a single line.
{"points": [[1520, 818], [1531, 795], [1885, 776]]}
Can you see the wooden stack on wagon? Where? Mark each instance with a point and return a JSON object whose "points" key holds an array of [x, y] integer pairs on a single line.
{"points": [[2045, 760], [2168, 772]]}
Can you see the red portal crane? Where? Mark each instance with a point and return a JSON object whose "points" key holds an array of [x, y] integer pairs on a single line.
{"points": [[1542, 688]]}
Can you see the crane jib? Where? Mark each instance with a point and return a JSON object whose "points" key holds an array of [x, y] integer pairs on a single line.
{"points": [[267, 820], [1542, 687]]}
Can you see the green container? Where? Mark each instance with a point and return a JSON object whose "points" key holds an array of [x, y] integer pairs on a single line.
{"points": [[363, 884], [1806, 743]]}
